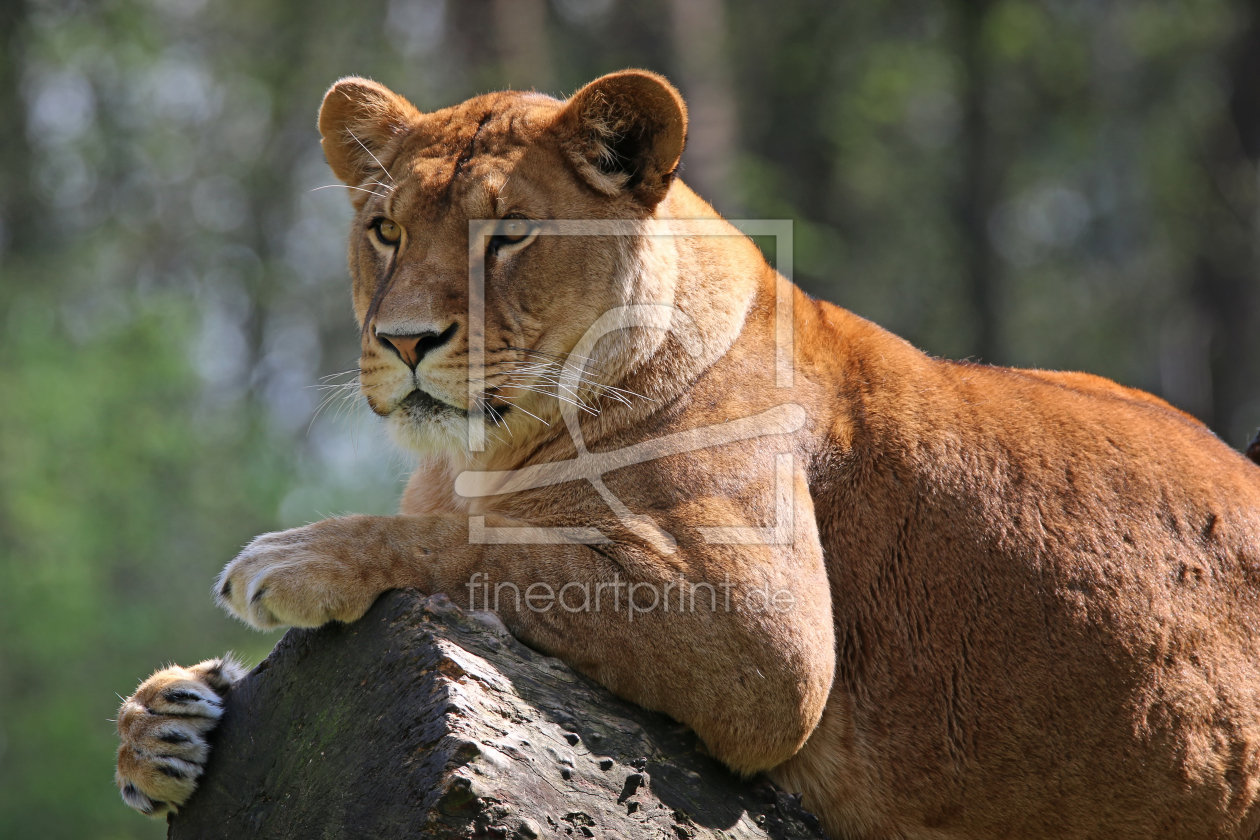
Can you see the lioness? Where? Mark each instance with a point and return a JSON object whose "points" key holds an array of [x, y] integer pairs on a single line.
{"points": [[939, 600]]}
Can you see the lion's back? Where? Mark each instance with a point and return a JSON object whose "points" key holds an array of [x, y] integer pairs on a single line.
{"points": [[1053, 584]]}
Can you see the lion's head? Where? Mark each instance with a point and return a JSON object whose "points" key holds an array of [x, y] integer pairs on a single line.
{"points": [[516, 160]]}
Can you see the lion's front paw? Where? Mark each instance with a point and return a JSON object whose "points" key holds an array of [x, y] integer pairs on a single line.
{"points": [[163, 728], [300, 577]]}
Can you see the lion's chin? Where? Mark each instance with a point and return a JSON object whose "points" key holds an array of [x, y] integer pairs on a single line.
{"points": [[438, 434], [426, 425]]}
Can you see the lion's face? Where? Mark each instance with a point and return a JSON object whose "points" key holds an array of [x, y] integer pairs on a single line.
{"points": [[506, 163]]}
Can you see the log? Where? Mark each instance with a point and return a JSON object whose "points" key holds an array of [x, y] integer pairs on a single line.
{"points": [[421, 720]]}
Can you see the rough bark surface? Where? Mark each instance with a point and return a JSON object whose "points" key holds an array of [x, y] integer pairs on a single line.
{"points": [[421, 720]]}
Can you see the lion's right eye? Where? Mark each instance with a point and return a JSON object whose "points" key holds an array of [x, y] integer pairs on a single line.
{"points": [[388, 232], [513, 230]]}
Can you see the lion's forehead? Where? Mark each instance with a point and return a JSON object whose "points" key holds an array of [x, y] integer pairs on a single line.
{"points": [[461, 155], [491, 124], [452, 177]]}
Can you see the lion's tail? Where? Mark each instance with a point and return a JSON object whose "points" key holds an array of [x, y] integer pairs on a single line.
{"points": [[1253, 448]]}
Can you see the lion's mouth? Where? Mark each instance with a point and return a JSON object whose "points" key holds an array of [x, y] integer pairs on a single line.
{"points": [[421, 404]]}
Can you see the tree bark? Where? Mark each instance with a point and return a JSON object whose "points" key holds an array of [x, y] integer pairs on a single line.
{"points": [[421, 720]]}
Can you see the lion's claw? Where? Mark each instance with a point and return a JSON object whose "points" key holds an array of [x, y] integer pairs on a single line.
{"points": [[163, 729], [295, 577]]}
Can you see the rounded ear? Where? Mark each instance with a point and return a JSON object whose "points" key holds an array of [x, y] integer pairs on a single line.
{"points": [[358, 122], [625, 133]]}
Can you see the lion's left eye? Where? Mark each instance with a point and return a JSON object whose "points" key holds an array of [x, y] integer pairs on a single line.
{"points": [[387, 231]]}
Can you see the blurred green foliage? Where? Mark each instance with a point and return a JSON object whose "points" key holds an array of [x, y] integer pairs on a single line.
{"points": [[1064, 183], [115, 509]]}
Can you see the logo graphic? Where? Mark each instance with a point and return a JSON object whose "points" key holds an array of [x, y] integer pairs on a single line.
{"points": [[781, 420]]}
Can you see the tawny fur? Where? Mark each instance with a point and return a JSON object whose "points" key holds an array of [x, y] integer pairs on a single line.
{"points": [[163, 728], [1024, 603]]}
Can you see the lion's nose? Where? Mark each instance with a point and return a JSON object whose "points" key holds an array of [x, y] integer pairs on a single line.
{"points": [[412, 348]]}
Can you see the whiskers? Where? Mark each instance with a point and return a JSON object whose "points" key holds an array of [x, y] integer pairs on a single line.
{"points": [[360, 189], [538, 372], [344, 395], [375, 158], [517, 379], [377, 184]]}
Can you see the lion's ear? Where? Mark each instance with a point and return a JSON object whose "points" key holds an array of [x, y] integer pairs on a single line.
{"points": [[358, 121], [625, 132]]}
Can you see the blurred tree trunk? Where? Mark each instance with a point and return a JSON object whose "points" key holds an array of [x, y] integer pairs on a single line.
{"points": [[699, 36], [520, 37], [1226, 284], [976, 194], [16, 229]]}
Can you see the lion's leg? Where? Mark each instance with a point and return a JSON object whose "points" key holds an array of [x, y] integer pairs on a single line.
{"points": [[762, 649], [163, 728]]}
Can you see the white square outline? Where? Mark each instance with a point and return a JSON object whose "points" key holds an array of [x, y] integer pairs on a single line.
{"points": [[479, 233]]}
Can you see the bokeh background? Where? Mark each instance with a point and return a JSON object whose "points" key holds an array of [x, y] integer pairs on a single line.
{"points": [[1059, 184]]}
